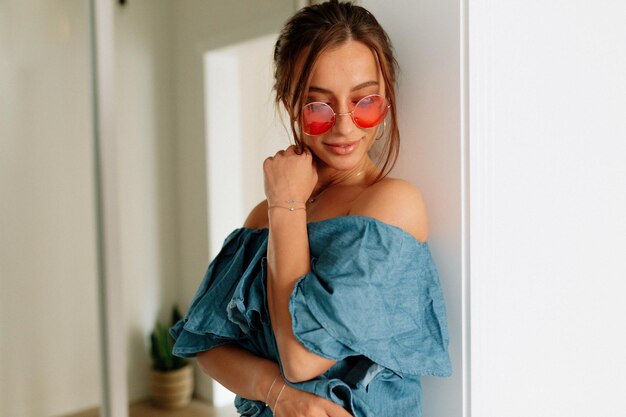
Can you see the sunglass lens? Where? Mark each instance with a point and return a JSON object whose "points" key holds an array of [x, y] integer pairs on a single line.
{"points": [[370, 111], [317, 118]]}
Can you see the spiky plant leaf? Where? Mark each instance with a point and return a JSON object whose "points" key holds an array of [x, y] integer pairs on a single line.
{"points": [[161, 346]]}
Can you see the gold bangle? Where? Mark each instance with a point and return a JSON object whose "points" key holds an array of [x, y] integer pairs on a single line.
{"points": [[278, 397], [267, 397]]}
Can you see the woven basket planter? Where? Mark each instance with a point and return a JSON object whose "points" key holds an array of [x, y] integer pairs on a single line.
{"points": [[172, 389]]}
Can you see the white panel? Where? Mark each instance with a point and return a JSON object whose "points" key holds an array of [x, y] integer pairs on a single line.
{"points": [[426, 37], [201, 26], [547, 100], [224, 174], [243, 128], [114, 354]]}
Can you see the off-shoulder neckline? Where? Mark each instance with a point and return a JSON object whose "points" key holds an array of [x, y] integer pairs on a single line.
{"points": [[348, 217]]}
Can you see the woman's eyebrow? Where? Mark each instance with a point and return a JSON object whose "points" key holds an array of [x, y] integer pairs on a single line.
{"points": [[316, 89], [364, 85]]}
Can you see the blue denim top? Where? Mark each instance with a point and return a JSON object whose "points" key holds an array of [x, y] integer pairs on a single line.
{"points": [[372, 302]]}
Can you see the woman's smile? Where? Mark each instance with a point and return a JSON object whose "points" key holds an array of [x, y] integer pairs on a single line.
{"points": [[342, 148]]}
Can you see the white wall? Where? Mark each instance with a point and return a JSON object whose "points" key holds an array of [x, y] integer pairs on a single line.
{"points": [[243, 128], [49, 350], [548, 185], [204, 25], [426, 36]]}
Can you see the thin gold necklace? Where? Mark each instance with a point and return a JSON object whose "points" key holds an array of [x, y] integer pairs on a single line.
{"points": [[315, 197]]}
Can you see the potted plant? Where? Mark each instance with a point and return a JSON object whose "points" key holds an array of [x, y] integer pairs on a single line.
{"points": [[171, 377]]}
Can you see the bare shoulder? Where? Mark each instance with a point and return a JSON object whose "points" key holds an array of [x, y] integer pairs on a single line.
{"points": [[396, 202], [257, 218]]}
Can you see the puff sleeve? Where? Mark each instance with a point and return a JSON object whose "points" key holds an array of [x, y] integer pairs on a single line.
{"points": [[373, 290], [213, 317]]}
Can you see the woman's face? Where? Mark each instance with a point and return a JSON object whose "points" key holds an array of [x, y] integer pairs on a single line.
{"points": [[342, 77]]}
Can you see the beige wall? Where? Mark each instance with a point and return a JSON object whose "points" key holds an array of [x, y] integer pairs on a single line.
{"points": [[49, 350], [145, 115], [162, 160], [49, 355], [50, 363], [161, 132]]}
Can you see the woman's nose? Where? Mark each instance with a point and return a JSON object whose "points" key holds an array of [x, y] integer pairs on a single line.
{"points": [[343, 122]]}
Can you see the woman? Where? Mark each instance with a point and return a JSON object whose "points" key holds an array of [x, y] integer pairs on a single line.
{"points": [[326, 302]]}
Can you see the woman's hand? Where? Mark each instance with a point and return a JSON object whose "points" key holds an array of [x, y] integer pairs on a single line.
{"points": [[289, 176], [296, 403]]}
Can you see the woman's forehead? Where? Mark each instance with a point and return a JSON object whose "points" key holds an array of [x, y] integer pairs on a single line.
{"points": [[345, 67]]}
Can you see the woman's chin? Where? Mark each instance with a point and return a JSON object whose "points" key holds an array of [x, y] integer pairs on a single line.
{"points": [[340, 163]]}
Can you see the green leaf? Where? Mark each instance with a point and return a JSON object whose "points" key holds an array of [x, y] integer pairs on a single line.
{"points": [[162, 345]]}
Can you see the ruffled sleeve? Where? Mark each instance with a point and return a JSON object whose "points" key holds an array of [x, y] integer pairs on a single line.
{"points": [[373, 290], [213, 318]]}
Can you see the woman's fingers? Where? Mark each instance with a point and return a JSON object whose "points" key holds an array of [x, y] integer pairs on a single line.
{"points": [[291, 150], [306, 151], [297, 403], [335, 410], [267, 162], [294, 150], [289, 176]]}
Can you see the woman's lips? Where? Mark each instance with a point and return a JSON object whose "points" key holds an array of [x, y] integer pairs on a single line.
{"points": [[344, 148]]}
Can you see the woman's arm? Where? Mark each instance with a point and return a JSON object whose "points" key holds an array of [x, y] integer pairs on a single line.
{"points": [[240, 371], [256, 378], [288, 259], [289, 176]]}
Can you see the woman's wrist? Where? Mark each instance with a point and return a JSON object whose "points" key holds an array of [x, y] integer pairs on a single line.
{"points": [[272, 393], [286, 207], [262, 382], [269, 391], [279, 217], [274, 407], [291, 204]]}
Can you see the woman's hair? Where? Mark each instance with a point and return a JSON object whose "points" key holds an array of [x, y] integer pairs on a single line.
{"points": [[318, 28]]}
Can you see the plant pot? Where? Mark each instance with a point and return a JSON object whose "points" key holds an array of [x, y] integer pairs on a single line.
{"points": [[172, 389]]}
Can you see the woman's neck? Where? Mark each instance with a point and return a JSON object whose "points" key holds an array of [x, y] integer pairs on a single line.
{"points": [[361, 175]]}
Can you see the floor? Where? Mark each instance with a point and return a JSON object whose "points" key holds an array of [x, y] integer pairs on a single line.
{"points": [[195, 409]]}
